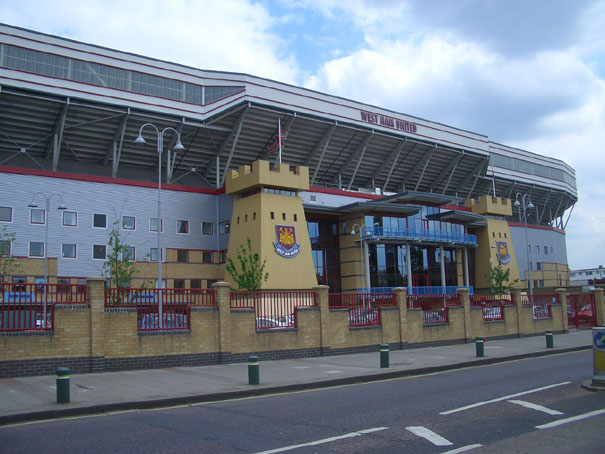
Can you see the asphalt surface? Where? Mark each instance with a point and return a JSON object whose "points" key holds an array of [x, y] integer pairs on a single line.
{"points": [[34, 398]]}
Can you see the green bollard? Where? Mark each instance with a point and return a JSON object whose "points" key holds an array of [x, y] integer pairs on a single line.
{"points": [[550, 342], [253, 373], [479, 345], [62, 385], [384, 356]]}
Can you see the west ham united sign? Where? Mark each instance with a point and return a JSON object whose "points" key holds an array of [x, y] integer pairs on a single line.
{"points": [[503, 254], [286, 244]]}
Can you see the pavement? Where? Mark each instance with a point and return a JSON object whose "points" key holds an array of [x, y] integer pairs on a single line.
{"points": [[34, 398]]}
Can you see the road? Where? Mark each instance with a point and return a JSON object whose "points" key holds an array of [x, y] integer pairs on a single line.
{"points": [[533, 405]]}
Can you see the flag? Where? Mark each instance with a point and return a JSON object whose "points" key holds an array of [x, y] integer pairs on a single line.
{"points": [[277, 141]]}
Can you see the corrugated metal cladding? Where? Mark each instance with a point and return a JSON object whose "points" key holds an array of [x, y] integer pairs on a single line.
{"points": [[546, 246], [114, 200]]}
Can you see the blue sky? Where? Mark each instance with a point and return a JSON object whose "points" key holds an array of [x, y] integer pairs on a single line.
{"points": [[529, 74]]}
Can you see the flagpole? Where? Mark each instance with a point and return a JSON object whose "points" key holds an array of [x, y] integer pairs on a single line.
{"points": [[279, 137]]}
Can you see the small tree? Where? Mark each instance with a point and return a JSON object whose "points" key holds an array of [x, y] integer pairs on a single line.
{"points": [[8, 264], [499, 279], [119, 267], [251, 273]]}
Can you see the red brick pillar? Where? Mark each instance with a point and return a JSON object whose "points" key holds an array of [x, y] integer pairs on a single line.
{"points": [[322, 299], [401, 299], [222, 297], [562, 296], [599, 302], [465, 302], [95, 293]]}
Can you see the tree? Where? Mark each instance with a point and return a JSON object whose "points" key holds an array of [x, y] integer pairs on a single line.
{"points": [[8, 264], [251, 273], [119, 267], [499, 279]]}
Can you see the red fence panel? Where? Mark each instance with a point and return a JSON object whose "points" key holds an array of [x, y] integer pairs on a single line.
{"points": [[273, 309], [581, 311], [492, 304], [160, 309], [364, 308], [541, 304], [25, 307], [434, 307]]}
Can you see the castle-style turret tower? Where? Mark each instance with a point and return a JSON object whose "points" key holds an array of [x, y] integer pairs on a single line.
{"points": [[268, 210]]}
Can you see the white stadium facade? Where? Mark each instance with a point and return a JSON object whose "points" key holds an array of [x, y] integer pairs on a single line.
{"points": [[70, 112]]}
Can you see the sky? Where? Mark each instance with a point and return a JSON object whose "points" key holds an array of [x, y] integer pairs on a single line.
{"points": [[528, 74]]}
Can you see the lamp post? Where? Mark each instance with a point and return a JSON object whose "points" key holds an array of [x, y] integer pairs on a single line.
{"points": [[47, 221], [160, 143], [524, 201], [364, 274]]}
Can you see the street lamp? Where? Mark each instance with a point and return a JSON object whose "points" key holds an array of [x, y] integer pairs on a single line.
{"points": [[178, 146], [364, 274], [524, 201], [46, 248]]}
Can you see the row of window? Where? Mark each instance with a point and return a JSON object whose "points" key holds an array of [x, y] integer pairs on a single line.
{"points": [[99, 252], [529, 249], [99, 221], [271, 216]]}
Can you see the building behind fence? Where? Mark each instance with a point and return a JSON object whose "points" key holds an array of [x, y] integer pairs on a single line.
{"points": [[94, 329]]}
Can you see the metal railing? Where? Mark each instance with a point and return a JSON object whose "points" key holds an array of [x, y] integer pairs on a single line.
{"points": [[273, 309], [160, 309], [434, 307], [25, 307], [422, 290], [492, 304], [541, 304], [437, 236], [364, 308]]}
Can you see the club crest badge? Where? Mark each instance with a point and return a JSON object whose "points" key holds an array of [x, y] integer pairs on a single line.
{"points": [[503, 255], [286, 244]]}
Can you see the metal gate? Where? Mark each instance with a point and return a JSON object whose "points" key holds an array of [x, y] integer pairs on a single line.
{"points": [[581, 310]]}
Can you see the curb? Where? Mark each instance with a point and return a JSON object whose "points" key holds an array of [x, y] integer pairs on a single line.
{"points": [[229, 395]]}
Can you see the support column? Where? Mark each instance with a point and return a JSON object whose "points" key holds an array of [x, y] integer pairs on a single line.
{"points": [[408, 260], [599, 304], [562, 295], [516, 296], [222, 298], [467, 281], [322, 299], [465, 302], [402, 304], [95, 293], [442, 260]]}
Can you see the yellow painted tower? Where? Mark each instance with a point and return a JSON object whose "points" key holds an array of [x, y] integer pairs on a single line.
{"points": [[268, 210], [494, 242]]}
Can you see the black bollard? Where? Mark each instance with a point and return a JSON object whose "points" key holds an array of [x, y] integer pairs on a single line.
{"points": [[384, 356], [550, 341], [62, 385], [479, 346], [253, 372]]}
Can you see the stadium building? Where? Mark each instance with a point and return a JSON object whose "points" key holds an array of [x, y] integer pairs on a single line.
{"points": [[329, 190]]}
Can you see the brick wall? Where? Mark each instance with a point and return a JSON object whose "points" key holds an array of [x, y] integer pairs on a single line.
{"points": [[92, 338]]}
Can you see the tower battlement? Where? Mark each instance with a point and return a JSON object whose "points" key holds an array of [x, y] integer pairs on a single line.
{"points": [[260, 174], [491, 205]]}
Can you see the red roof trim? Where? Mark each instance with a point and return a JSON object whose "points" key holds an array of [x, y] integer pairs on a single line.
{"points": [[539, 227]]}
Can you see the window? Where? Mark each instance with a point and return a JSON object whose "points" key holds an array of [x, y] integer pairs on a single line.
{"points": [[153, 254], [195, 283], [5, 248], [68, 251], [295, 218], [99, 252], [224, 227], [153, 225], [179, 284], [541, 284], [539, 266], [182, 226], [128, 222], [528, 248], [272, 215], [6, 214], [36, 249], [129, 254], [283, 216], [19, 284], [99, 221], [207, 257], [37, 216], [222, 256], [545, 249], [182, 255], [207, 228], [537, 249], [70, 218], [63, 285]]}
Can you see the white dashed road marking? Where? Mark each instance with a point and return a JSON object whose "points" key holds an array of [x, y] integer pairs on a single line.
{"points": [[429, 435], [499, 399], [325, 440], [560, 422], [536, 407], [463, 449]]}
